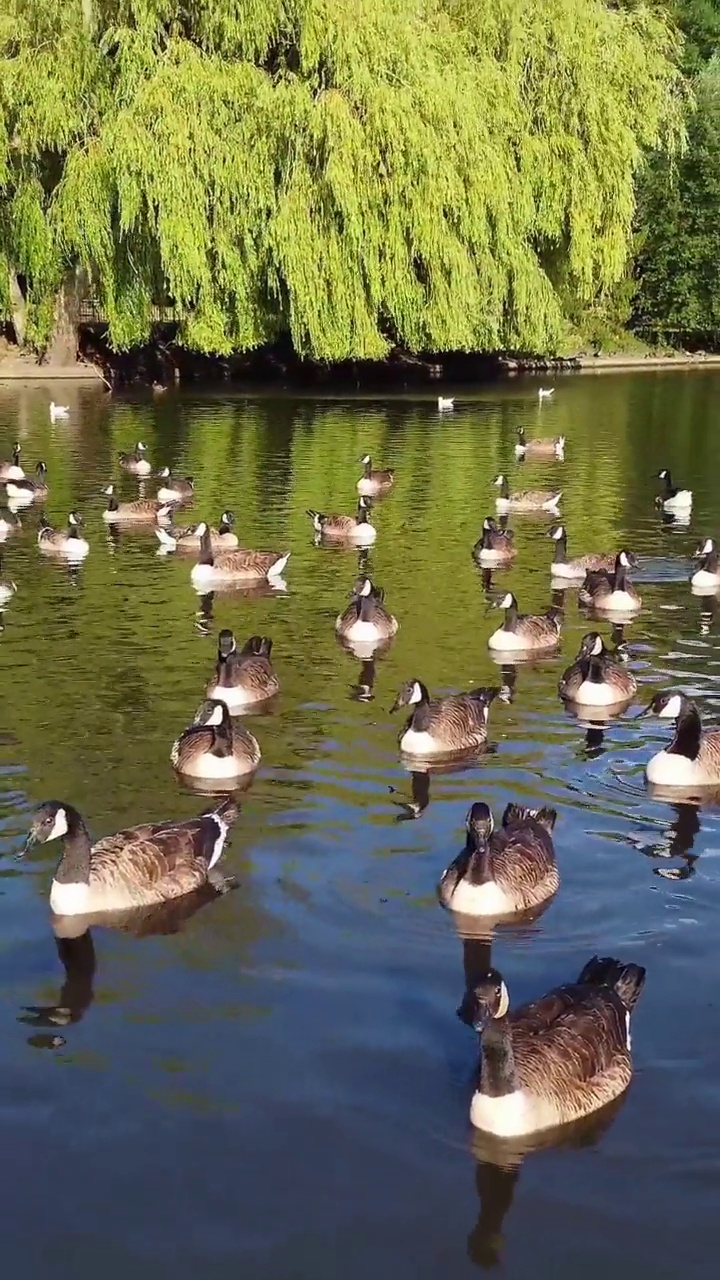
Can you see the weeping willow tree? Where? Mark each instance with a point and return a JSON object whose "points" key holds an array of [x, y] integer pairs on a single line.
{"points": [[442, 174]]}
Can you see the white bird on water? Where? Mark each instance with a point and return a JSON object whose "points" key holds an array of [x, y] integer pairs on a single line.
{"points": [[445, 403], [544, 393], [58, 411]]}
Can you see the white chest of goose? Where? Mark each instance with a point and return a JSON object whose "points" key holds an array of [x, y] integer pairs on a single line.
{"points": [[692, 761], [366, 620], [213, 748], [597, 678], [707, 575]]}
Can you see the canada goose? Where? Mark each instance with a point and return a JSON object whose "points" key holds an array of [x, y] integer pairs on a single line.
{"points": [[557, 1058], [243, 677], [693, 757], [9, 523], [12, 470], [502, 872], [357, 529], [544, 447], [372, 483], [366, 618], [673, 499], [135, 462], [143, 510], [58, 411], [158, 388], [61, 542], [446, 403], [708, 573], [227, 567], [544, 393], [577, 568], [596, 678], [443, 726], [221, 539], [531, 632], [7, 589], [527, 500], [494, 546], [29, 490], [212, 747], [174, 490], [133, 868], [611, 592]]}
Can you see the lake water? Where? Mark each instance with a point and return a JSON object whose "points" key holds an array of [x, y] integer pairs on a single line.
{"points": [[279, 1086]]}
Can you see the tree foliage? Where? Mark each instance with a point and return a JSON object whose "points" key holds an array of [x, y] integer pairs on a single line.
{"points": [[438, 173]]}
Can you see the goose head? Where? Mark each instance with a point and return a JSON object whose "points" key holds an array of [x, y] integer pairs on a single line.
{"points": [[591, 645], [557, 532], [479, 823], [211, 712], [667, 706], [226, 643], [490, 999], [411, 695], [50, 822], [705, 548]]}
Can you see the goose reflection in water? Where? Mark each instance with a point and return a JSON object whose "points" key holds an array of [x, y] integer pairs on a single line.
{"points": [[420, 780], [76, 952], [677, 842]]}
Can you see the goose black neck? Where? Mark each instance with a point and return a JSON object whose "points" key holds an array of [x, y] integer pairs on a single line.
{"points": [[511, 616], [688, 733], [224, 527], [710, 562], [479, 866], [504, 488], [367, 606], [620, 576], [668, 485], [560, 556], [368, 468], [223, 735], [498, 1075], [362, 515], [74, 866], [420, 718], [206, 552], [112, 503], [594, 671]]}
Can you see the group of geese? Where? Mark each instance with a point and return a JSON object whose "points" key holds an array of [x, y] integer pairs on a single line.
{"points": [[542, 1064]]}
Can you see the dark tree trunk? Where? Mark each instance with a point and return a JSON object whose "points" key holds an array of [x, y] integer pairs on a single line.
{"points": [[62, 349]]}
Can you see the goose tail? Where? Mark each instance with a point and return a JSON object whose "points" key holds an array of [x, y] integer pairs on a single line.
{"points": [[316, 517], [223, 812], [627, 980], [165, 539], [275, 571], [518, 813]]}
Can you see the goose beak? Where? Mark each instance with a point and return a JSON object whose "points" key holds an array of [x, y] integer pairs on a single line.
{"points": [[478, 1014], [643, 715], [30, 843]]}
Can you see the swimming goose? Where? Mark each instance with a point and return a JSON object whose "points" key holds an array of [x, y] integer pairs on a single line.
{"points": [[577, 568], [708, 572], [673, 499], [494, 546], [213, 747], [502, 872], [444, 726], [446, 403], [544, 393], [540, 447], [527, 500], [58, 411], [135, 462], [558, 1058], [174, 490], [611, 592], [226, 567], [27, 490], [372, 483], [141, 511], [221, 539], [7, 589], [245, 677], [63, 542], [366, 619], [693, 757], [530, 632], [12, 470], [357, 529], [133, 868], [597, 678]]}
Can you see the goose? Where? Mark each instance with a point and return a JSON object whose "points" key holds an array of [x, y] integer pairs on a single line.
{"points": [[7, 589], [221, 539], [597, 678], [693, 757], [357, 529], [372, 483], [502, 872], [366, 618], [611, 592], [558, 1058], [174, 490], [135, 462], [531, 632], [444, 726], [133, 868], [9, 523], [544, 447], [446, 403], [527, 500], [227, 567], [494, 546], [12, 470], [58, 411], [673, 499], [142, 510], [61, 542], [245, 677], [708, 573], [579, 567], [544, 393], [212, 747], [29, 490]]}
